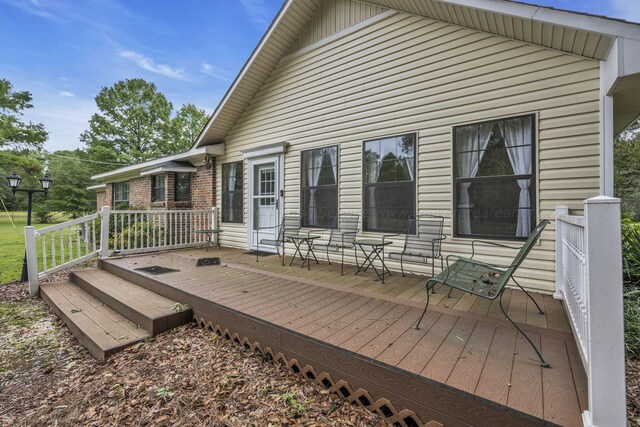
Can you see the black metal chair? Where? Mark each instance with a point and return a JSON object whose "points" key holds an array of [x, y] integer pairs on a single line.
{"points": [[290, 223], [342, 237], [422, 243], [487, 280]]}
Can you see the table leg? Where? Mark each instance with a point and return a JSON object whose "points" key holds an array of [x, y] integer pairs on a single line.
{"points": [[296, 252], [364, 266]]}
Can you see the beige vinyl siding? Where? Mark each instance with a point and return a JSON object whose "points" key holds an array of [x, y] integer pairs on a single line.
{"points": [[332, 17], [412, 74]]}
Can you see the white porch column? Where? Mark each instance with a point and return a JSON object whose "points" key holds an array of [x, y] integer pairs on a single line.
{"points": [[32, 260], [559, 293], [104, 231], [607, 397]]}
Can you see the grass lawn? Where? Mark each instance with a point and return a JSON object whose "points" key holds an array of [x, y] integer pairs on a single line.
{"points": [[12, 244]]}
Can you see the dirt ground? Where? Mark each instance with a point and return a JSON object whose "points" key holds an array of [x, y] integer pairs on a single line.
{"points": [[185, 377]]}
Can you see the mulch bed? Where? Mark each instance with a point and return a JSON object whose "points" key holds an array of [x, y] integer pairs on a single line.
{"points": [[185, 377], [633, 390]]}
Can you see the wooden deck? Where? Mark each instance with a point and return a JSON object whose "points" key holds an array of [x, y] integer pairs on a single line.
{"points": [[465, 366]]}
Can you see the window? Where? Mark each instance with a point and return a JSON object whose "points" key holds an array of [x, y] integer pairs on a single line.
{"points": [[232, 197], [157, 187], [494, 181], [319, 190], [121, 194], [389, 183], [183, 187]]}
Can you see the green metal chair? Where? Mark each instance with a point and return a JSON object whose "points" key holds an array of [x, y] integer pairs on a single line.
{"points": [[486, 280]]}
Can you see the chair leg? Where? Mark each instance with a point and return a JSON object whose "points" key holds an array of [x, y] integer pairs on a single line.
{"points": [[282, 253], [530, 297], [417, 327], [257, 251], [542, 361], [342, 263], [328, 259], [402, 266]]}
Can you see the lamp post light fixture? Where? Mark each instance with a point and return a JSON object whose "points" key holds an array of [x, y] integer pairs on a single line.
{"points": [[14, 183]]}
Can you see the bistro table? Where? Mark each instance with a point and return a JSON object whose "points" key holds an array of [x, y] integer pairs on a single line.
{"points": [[298, 240], [375, 247], [210, 233]]}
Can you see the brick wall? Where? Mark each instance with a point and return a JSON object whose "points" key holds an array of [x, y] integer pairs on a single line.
{"points": [[140, 192], [203, 191], [101, 199]]}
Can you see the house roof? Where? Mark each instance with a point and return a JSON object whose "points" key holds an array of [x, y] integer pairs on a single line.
{"points": [[586, 35], [184, 159], [170, 166]]}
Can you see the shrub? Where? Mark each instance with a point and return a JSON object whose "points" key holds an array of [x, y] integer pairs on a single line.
{"points": [[631, 271], [42, 214]]}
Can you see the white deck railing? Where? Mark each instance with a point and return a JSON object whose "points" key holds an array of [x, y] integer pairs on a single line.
{"points": [[110, 232], [589, 281]]}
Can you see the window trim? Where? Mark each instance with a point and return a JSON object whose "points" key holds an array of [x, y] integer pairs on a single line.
{"points": [[533, 187], [175, 187], [154, 187], [337, 185], [222, 193], [389, 183], [114, 202]]}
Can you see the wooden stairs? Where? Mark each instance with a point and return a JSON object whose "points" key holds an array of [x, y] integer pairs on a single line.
{"points": [[107, 313]]}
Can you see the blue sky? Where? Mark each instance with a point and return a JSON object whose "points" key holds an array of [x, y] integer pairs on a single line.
{"points": [[65, 51]]}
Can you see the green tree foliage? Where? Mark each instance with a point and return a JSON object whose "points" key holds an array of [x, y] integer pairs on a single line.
{"points": [[185, 128], [132, 125], [15, 133], [26, 164], [71, 173], [627, 171]]}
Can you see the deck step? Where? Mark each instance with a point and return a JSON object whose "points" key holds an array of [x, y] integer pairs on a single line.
{"points": [[143, 307], [97, 327]]}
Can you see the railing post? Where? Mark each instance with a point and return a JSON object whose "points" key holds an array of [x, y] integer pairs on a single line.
{"points": [[559, 293], [104, 231], [606, 367], [32, 261], [214, 223]]}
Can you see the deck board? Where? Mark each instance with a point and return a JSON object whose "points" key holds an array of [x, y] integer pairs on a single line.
{"points": [[464, 341]]}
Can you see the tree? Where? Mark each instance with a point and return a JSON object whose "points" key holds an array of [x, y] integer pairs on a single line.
{"points": [[627, 170], [132, 125], [71, 173], [185, 128], [14, 133]]}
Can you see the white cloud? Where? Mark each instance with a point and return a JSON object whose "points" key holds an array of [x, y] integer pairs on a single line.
{"points": [[216, 72], [149, 64], [626, 9], [66, 94], [257, 10]]}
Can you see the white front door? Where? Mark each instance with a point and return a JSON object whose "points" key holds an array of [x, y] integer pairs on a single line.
{"points": [[264, 199]]}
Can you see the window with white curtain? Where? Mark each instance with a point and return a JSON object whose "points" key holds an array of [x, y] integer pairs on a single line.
{"points": [[121, 194], [494, 180], [232, 192], [389, 185], [319, 186]]}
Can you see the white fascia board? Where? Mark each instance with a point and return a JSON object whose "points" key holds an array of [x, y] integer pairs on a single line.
{"points": [[194, 153], [567, 19], [265, 150], [97, 187], [244, 70], [168, 169], [623, 60]]}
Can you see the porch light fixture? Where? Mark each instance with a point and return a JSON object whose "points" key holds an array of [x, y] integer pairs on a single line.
{"points": [[14, 183]]}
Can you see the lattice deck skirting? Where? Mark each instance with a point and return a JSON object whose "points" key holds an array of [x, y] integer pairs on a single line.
{"points": [[360, 397]]}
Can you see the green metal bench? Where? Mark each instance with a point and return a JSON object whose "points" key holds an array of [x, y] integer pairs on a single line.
{"points": [[486, 280]]}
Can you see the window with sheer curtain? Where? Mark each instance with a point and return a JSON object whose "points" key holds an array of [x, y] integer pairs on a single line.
{"points": [[157, 187], [121, 194], [389, 190], [494, 180], [319, 186], [232, 192], [183, 187]]}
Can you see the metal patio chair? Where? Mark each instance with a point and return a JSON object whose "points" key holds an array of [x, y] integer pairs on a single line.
{"points": [[487, 280], [342, 237], [422, 243], [290, 223]]}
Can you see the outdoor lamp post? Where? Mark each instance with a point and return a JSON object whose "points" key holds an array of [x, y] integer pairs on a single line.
{"points": [[14, 183]]}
